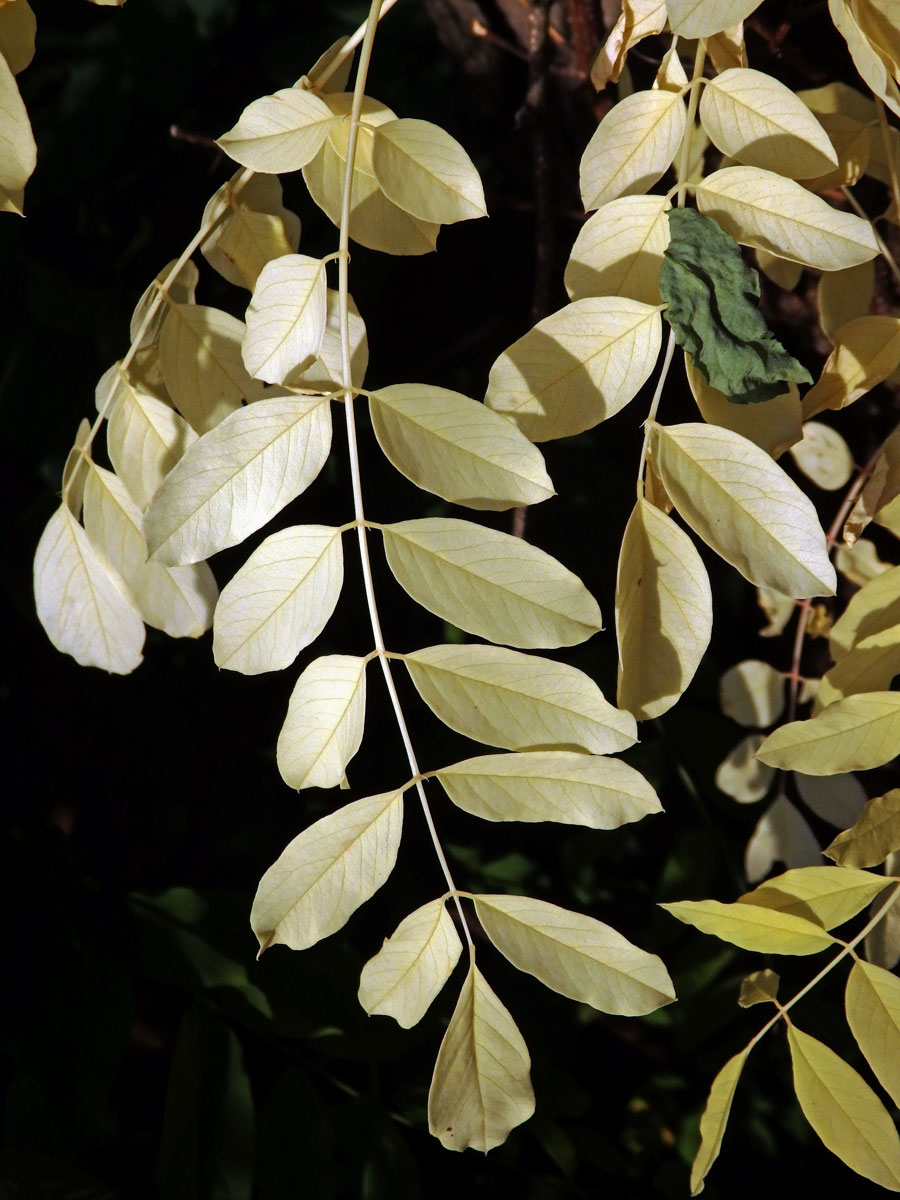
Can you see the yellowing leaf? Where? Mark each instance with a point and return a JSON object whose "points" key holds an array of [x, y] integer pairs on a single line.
{"points": [[457, 448], [874, 609], [773, 425], [764, 930], [145, 439], [180, 291], [875, 835], [865, 352], [873, 1014], [518, 701], [837, 799], [237, 477], [778, 609], [256, 229], [759, 987], [758, 121], [576, 367], [618, 251], [871, 65], [550, 785], [286, 318], [882, 943], [637, 20], [18, 153], [322, 877], [745, 508], [703, 18], [633, 146], [177, 600], [752, 693], [859, 563], [490, 583], [17, 30], [481, 1087], [823, 456], [663, 612], [762, 209], [715, 1118], [741, 775], [280, 600], [412, 966], [782, 835], [844, 1111], [575, 955], [325, 373], [779, 270], [829, 896], [200, 353], [854, 734], [82, 602], [878, 501], [870, 666], [279, 133], [426, 172], [77, 467], [324, 724]]}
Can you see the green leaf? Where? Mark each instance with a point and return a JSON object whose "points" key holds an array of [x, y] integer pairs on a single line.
{"points": [[711, 298]]}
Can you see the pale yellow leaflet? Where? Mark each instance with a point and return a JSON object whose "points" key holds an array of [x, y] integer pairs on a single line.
{"points": [[871, 65], [412, 966], [854, 734], [870, 666], [823, 456], [779, 270], [727, 48], [457, 448], [663, 612], [778, 610], [178, 600], [322, 877], [829, 896], [518, 701], [715, 1118], [844, 1111], [637, 20], [76, 468], [286, 318], [837, 799], [256, 229], [704, 18], [280, 600], [576, 367], [874, 608], [752, 693], [17, 30], [490, 583], [758, 121], [633, 146], [875, 835], [745, 508], [773, 425], [764, 930], [237, 477], [481, 1088], [200, 353], [762, 209], [426, 172], [180, 291], [852, 143], [324, 724], [741, 775], [325, 373], [781, 835], [82, 602], [279, 133], [550, 785], [619, 250], [575, 955], [873, 1014], [18, 153], [866, 351], [145, 439]]}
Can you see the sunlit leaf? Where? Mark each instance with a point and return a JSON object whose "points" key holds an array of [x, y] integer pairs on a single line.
{"points": [[752, 693], [773, 425], [663, 612], [575, 955], [280, 600], [874, 609], [279, 133], [871, 65], [873, 1014], [18, 153], [180, 291], [633, 146], [518, 701], [637, 20], [741, 775], [882, 944], [866, 351], [324, 724], [286, 318], [618, 251], [823, 456], [256, 229], [412, 966], [426, 172], [490, 583], [573, 789], [874, 836], [764, 930], [715, 1118], [76, 468], [457, 448], [322, 877], [778, 609], [237, 477], [855, 734], [703, 18], [481, 1087], [870, 666], [829, 896], [145, 439], [325, 373], [844, 1111]]}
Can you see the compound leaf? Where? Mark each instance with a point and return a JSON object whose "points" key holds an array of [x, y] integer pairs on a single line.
{"points": [[322, 877], [324, 724]]}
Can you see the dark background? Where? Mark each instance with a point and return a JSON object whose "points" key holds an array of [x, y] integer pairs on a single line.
{"points": [[143, 1050]]}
